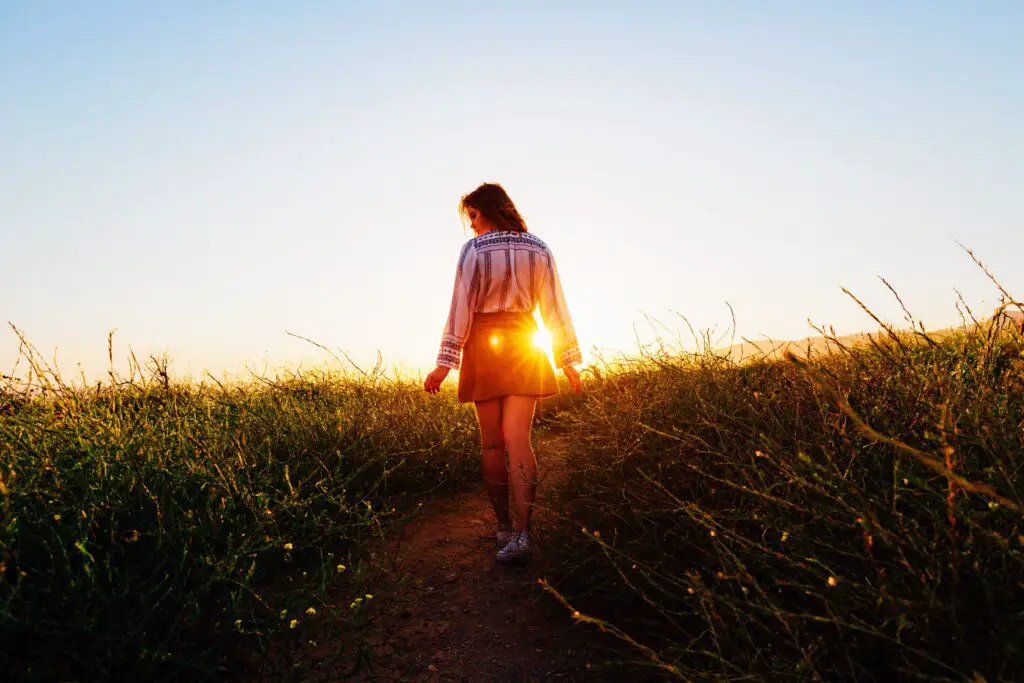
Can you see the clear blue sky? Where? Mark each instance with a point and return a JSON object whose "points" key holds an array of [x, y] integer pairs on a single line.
{"points": [[203, 176]]}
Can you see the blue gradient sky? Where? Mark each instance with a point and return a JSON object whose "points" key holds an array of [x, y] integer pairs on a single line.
{"points": [[203, 176]]}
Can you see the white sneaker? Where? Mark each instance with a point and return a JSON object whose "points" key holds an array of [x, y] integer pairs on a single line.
{"points": [[516, 549], [503, 537]]}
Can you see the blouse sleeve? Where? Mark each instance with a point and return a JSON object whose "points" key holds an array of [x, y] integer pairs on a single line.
{"points": [[555, 313], [460, 315]]}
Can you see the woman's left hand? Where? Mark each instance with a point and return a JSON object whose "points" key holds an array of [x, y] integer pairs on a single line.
{"points": [[434, 379]]}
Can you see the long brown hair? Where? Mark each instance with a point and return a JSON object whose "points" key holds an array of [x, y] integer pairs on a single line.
{"points": [[491, 200]]}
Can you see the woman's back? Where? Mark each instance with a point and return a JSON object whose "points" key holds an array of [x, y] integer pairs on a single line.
{"points": [[512, 272], [512, 269]]}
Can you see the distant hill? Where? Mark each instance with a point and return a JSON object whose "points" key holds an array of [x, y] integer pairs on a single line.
{"points": [[1014, 316], [769, 349], [773, 349]]}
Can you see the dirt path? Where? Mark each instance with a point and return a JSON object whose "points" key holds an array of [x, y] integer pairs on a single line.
{"points": [[447, 611]]}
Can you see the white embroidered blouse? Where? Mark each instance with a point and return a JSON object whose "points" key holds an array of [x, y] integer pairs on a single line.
{"points": [[502, 270]]}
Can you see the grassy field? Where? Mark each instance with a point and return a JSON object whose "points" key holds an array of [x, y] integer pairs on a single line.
{"points": [[856, 516], [152, 530]]}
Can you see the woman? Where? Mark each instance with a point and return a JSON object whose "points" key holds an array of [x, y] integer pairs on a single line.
{"points": [[503, 274]]}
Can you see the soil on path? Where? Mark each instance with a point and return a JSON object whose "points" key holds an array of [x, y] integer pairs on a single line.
{"points": [[447, 611]]}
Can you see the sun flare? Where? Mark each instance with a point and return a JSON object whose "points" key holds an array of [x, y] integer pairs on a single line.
{"points": [[542, 340]]}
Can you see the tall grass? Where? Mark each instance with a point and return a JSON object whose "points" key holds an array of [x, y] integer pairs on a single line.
{"points": [[153, 529], [854, 516]]}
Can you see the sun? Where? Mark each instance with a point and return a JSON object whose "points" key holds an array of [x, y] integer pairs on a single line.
{"points": [[542, 339]]}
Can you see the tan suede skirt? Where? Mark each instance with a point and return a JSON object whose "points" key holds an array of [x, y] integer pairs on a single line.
{"points": [[500, 358]]}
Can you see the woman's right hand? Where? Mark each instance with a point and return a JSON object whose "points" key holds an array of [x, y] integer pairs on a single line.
{"points": [[574, 378], [434, 379]]}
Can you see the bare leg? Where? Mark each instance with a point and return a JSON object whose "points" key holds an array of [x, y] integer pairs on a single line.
{"points": [[495, 470], [516, 423]]}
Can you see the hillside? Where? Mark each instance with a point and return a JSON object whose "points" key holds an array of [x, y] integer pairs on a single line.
{"points": [[772, 349]]}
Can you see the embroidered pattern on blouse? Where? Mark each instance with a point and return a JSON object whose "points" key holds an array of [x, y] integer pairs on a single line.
{"points": [[507, 280]]}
